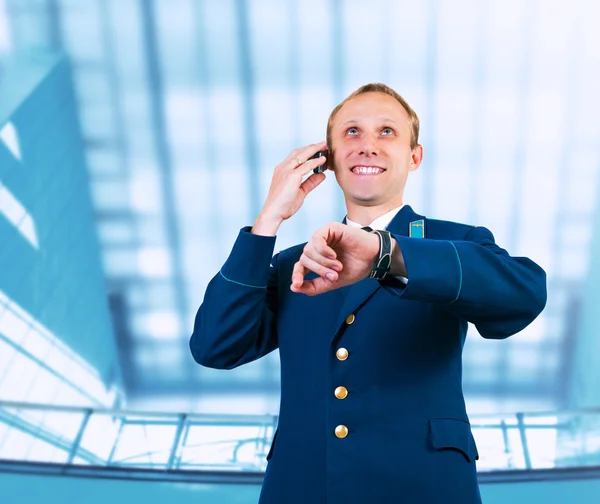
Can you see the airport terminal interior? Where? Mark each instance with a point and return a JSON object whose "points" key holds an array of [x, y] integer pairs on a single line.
{"points": [[137, 137]]}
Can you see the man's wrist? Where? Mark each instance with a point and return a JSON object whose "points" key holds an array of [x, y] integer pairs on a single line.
{"points": [[266, 225]]}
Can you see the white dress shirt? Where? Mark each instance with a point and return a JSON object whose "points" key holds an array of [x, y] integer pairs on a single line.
{"points": [[381, 222]]}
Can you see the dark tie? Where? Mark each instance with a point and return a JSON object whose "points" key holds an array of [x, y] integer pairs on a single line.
{"points": [[367, 229]]}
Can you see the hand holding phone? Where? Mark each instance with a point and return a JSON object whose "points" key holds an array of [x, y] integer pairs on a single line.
{"points": [[323, 167], [288, 189]]}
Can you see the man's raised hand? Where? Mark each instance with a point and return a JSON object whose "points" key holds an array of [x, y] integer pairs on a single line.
{"points": [[287, 191], [339, 254]]}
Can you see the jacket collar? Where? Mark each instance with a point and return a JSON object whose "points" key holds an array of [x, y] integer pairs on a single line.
{"points": [[401, 222]]}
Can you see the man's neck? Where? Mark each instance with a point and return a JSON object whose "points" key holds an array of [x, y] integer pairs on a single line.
{"points": [[365, 215]]}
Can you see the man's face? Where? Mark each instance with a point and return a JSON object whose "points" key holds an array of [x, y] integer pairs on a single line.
{"points": [[370, 140]]}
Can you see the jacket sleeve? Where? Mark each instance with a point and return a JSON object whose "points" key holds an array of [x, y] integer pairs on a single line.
{"points": [[475, 279], [236, 322]]}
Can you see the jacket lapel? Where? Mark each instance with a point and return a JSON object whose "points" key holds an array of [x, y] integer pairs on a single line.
{"points": [[354, 296]]}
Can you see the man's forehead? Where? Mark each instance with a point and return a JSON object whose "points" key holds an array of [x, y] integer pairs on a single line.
{"points": [[372, 106]]}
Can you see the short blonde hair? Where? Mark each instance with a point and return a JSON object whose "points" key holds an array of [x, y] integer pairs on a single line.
{"points": [[376, 87]]}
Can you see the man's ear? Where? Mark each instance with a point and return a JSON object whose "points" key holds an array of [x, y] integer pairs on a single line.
{"points": [[416, 157]]}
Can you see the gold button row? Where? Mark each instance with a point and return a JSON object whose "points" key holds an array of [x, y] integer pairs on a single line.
{"points": [[341, 431]]}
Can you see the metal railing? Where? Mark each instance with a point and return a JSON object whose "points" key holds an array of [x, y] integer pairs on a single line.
{"points": [[72, 436]]}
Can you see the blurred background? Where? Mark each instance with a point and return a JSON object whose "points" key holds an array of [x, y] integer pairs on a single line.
{"points": [[138, 136]]}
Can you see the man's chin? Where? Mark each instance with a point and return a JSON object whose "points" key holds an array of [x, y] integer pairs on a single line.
{"points": [[365, 199]]}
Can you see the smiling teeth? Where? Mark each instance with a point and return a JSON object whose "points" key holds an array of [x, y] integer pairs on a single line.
{"points": [[367, 170]]}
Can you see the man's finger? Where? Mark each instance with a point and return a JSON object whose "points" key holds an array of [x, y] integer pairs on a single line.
{"points": [[325, 261], [305, 152], [311, 182], [311, 164], [318, 268], [298, 157], [316, 286], [298, 275], [320, 245]]}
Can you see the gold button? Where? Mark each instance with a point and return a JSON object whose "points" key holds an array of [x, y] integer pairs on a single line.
{"points": [[341, 431], [342, 354], [341, 392], [350, 319]]}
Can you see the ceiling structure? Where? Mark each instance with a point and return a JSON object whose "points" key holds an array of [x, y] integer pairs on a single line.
{"points": [[187, 105]]}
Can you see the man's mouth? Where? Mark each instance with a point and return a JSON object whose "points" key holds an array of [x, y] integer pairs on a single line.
{"points": [[367, 170]]}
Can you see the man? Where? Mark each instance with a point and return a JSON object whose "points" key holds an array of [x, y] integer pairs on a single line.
{"points": [[369, 325]]}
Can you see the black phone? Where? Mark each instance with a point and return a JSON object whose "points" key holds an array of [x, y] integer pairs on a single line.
{"points": [[323, 167]]}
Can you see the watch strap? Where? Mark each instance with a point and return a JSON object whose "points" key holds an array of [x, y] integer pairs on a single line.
{"points": [[383, 264]]}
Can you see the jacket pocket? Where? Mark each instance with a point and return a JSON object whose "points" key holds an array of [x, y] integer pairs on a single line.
{"points": [[270, 454], [453, 434]]}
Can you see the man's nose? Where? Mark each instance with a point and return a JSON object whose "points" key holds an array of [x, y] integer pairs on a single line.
{"points": [[369, 146]]}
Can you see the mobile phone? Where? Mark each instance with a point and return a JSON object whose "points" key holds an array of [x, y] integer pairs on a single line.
{"points": [[323, 167]]}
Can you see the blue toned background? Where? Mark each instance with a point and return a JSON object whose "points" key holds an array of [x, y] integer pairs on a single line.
{"points": [[138, 136]]}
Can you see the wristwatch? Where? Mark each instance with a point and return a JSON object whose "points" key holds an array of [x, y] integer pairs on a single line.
{"points": [[384, 261]]}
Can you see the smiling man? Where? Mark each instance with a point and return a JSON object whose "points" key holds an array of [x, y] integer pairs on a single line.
{"points": [[375, 135], [370, 323]]}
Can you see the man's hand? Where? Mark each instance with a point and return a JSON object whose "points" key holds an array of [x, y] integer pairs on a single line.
{"points": [[339, 254], [287, 191]]}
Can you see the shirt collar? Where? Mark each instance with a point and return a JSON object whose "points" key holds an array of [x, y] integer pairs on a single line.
{"points": [[380, 223]]}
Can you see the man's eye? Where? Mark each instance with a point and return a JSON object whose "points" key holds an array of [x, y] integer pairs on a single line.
{"points": [[387, 131], [352, 131]]}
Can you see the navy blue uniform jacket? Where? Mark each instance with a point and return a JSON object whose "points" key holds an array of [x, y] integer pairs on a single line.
{"points": [[409, 439]]}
